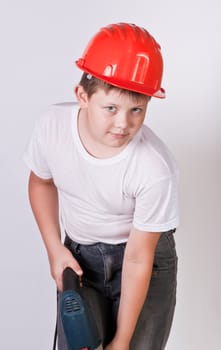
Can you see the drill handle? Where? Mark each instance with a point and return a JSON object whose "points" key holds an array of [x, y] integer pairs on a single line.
{"points": [[71, 280]]}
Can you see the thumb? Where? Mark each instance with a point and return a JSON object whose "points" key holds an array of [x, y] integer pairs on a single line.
{"points": [[74, 265]]}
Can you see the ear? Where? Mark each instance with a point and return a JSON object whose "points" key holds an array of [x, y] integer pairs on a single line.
{"points": [[81, 96]]}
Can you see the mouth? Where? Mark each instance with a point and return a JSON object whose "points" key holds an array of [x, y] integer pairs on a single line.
{"points": [[118, 135]]}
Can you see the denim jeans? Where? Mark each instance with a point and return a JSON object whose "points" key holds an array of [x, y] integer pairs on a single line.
{"points": [[102, 265]]}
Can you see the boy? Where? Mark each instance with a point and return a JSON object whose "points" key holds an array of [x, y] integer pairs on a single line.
{"points": [[112, 183]]}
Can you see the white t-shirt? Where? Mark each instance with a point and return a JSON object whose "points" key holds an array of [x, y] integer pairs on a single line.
{"points": [[100, 199]]}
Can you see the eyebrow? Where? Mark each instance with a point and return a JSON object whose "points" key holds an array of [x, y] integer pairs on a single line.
{"points": [[116, 105]]}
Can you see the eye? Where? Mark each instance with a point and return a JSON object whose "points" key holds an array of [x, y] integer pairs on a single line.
{"points": [[111, 109], [137, 110]]}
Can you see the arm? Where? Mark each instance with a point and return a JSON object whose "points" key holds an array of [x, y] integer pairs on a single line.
{"points": [[44, 203], [136, 274]]}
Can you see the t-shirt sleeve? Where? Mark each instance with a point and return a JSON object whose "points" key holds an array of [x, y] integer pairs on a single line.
{"points": [[35, 155], [156, 208]]}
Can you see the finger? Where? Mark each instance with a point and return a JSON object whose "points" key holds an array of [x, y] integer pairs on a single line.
{"points": [[59, 284]]}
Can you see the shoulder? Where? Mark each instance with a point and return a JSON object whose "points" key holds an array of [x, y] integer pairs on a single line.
{"points": [[152, 162], [154, 156], [56, 120], [57, 113]]}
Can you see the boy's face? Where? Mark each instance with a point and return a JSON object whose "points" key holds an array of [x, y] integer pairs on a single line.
{"points": [[112, 118]]}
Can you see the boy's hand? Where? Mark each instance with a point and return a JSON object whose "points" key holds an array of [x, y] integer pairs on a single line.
{"points": [[116, 345], [61, 259]]}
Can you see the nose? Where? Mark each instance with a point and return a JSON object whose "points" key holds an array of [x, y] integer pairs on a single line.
{"points": [[121, 120]]}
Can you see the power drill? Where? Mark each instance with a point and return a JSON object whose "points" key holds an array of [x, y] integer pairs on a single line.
{"points": [[79, 326]]}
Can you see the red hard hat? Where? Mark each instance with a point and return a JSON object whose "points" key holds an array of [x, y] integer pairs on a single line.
{"points": [[126, 56]]}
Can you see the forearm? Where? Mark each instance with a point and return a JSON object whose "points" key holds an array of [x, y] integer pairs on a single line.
{"points": [[44, 203], [136, 275], [135, 283]]}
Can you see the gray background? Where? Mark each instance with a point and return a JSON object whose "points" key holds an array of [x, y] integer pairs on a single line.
{"points": [[39, 42]]}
